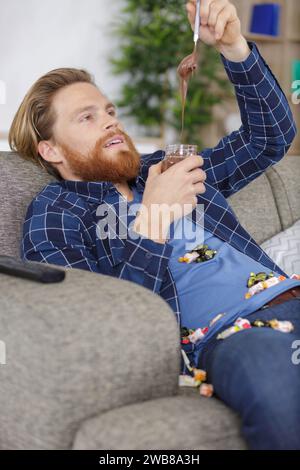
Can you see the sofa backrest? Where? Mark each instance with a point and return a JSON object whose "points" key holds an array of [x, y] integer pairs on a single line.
{"points": [[21, 180], [271, 203], [266, 206]]}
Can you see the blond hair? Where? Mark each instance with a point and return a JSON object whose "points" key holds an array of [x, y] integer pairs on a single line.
{"points": [[35, 117]]}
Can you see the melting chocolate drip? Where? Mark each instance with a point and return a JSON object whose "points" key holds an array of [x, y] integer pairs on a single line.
{"points": [[185, 69]]}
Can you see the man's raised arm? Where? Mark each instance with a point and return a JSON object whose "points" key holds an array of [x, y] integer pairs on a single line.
{"points": [[268, 127]]}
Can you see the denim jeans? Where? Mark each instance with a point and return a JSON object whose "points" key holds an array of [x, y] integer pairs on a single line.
{"points": [[252, 371]]}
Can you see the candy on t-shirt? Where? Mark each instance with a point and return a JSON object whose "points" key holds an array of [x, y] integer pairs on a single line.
{"points": [[242, 323], [229, 331]]}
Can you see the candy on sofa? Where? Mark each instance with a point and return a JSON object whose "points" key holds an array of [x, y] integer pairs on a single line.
{"points": [[206, 390]]}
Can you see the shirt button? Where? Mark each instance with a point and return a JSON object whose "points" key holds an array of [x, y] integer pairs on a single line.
{"points": [[148, 255]]}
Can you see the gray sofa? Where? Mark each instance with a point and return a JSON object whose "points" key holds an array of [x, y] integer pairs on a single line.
{"points": [[93, 362]]}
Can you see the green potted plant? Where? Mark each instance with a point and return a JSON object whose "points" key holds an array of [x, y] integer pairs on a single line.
{"points": [[155, 36]]}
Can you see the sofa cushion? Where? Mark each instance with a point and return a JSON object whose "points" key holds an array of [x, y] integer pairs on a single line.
{"points": [[256, 210], [178, 422], [21, 180], [284, 249], [76, 349], [284, 178]]}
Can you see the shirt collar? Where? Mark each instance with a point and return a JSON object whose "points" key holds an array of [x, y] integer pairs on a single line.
{"points": [[95, 191]]}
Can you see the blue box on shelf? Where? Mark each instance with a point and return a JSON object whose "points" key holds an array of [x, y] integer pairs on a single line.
{"points": [[265, 19]]}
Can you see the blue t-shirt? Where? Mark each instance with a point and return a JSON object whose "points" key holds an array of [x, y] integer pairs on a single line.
{"points": [[215, 286]]}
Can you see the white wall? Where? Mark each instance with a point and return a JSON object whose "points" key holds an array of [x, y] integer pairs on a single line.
{"points": [[39, 35]]}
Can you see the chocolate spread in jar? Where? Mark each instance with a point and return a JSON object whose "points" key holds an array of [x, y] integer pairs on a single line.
{"points": [[171, 160], [185, 69]]}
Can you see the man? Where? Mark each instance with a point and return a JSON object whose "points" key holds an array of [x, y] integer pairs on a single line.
{"points": [[69, 126]]}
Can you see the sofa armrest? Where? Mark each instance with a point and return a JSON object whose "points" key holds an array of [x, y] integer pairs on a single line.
{"points": [[77, 349], [179, 422]]}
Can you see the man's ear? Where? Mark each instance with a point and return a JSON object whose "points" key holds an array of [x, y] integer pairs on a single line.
{"points": [[47, 150]]}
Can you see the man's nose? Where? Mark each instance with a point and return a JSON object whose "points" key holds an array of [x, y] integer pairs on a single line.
{"points": [[112, 124]]}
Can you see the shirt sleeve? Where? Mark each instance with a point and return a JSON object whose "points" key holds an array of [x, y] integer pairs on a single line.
{"points": [[267, 130], [144, 261], [56, 236]]}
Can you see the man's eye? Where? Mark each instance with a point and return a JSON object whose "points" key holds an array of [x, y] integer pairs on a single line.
{"points": [[86, 117], [112, 112]]}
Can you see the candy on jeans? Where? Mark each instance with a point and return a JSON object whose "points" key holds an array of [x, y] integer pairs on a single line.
{"points": [[184, 331], [263, 285], [190, 335], [242, 323], [258, 323], [186, 360], [186, 381], [283, 326], [196, 335], [185, 341], [206, 390], [228, 332], [199, 375]]}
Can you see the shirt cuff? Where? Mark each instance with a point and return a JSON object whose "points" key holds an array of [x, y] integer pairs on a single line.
{"points": [[145, 253], [248, 72]]}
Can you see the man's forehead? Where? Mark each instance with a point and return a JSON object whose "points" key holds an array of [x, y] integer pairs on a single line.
{"points": [[72, 98]]}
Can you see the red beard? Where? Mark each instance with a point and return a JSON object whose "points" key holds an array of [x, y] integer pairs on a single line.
{"points": [[123, 165]]}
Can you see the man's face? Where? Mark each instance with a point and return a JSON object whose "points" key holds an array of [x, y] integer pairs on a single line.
{"points": [[85, 126]]}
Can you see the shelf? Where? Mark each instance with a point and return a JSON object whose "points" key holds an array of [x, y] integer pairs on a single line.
{"points": [[263, 38]]}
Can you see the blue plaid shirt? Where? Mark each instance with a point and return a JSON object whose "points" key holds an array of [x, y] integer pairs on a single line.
{"points": [[61, 221]]}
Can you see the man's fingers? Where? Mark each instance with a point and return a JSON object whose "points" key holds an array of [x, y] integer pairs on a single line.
{"points": [[222, 21], [213, 13], [214, 10], [204, 11], [191, 12], [189, 163], [191, 9], [198, 175], [199, 188], [155, 169]]}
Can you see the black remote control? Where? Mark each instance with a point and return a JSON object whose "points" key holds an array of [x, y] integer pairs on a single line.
{"points": [[33, 271]]}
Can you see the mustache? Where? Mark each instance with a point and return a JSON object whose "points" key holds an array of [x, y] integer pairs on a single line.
{"points": [[101, 141]]}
